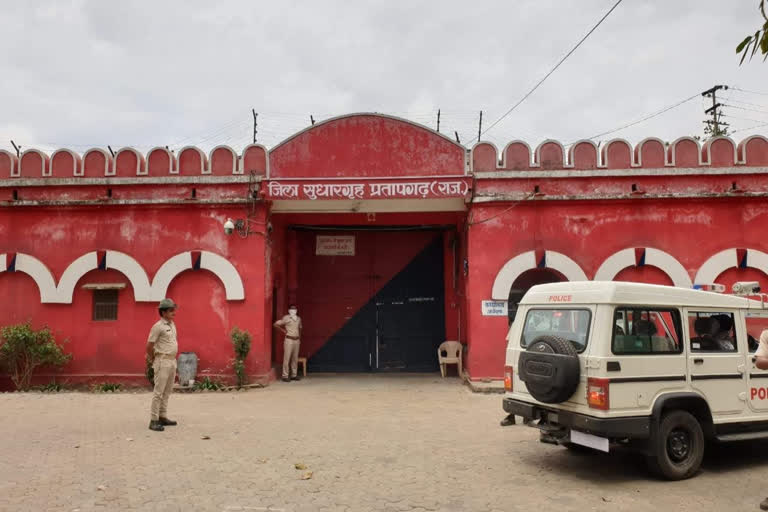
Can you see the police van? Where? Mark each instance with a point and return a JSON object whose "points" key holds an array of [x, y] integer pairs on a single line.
{"points": [[660, 369]]}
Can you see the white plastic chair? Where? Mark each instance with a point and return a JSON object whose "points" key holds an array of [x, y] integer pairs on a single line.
{"points": [[452, 351]]}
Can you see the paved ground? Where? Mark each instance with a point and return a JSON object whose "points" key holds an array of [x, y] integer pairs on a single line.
{"points": [[388, 443]]}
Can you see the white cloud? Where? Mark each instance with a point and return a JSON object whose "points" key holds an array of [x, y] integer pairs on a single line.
{"points": [[91, 72]]}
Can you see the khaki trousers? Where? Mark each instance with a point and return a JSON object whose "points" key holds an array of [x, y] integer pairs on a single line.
{"points": [[290, 357], [165, 372]]}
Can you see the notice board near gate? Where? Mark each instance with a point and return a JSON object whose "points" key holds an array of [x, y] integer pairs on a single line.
{"points": [[335, 245]]}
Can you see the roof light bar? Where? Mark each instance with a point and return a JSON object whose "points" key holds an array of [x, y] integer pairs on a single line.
{"points": [[710, 287]]}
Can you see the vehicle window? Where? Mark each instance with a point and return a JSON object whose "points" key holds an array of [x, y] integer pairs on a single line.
{"points": [[570, 324], [755, 327], [712, 332], [646, 331]]}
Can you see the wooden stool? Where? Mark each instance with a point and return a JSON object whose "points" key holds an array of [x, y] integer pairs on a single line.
{"points": [[303, 363]]}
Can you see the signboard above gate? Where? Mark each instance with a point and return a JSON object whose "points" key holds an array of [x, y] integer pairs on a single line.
{"points": [[369, 189], [335, 245]]}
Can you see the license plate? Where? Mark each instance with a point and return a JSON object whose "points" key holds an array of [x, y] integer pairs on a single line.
{"points": [[590, 441]]}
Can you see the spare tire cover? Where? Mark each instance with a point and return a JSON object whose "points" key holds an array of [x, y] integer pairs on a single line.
{"points": [[550, 369]]}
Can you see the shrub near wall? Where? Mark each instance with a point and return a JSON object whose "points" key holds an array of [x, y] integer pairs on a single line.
{"points": [[23, 350]]}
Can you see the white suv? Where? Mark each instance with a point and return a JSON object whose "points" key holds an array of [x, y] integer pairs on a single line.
{"points": [[656, 368]]}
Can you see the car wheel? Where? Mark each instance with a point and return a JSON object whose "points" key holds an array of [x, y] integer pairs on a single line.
{"points": [[677, 449]]}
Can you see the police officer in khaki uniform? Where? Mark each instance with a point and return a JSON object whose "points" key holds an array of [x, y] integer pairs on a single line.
{"points": [[290, 325], [161, 353]]}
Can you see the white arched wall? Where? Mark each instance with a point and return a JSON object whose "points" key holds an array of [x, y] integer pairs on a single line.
{"points": [[221, 267], [132, 269], [143, 290], [527, 261], [76, 270], [37, 270], [653, 257], [727, 259]]}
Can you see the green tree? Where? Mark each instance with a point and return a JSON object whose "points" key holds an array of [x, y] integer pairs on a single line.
{"points": [[23, 350], [758, 41]]}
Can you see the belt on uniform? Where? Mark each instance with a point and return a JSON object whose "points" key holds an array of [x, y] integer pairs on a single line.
{"points": [[165, 356], [292, 337]]}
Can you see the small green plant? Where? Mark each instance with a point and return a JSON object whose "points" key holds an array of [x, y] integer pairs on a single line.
{"points": [[241, 342], [51, 387], [108, 387], [208, 385], [24, 349]]}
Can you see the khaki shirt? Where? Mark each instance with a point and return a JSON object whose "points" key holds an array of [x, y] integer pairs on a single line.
{"points": [[762, 349], [292, 327], [163, 335]]}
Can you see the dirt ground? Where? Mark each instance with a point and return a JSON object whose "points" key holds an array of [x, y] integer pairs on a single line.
{"points": [[384, 443]]}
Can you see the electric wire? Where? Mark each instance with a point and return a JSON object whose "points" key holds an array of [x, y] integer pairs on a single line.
{"points": [[643, 119], [560, 62]]}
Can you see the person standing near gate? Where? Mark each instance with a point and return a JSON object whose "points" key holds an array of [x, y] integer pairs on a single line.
{"points": [[290, 325], [161, 353]]}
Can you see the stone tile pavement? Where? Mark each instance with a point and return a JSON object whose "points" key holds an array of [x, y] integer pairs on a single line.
{"points": [[380, 443]]}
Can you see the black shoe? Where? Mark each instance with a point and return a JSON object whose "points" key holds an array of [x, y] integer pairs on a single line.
{"points": [[156, 426], [166, 422], [296, 378], [286, 379]]}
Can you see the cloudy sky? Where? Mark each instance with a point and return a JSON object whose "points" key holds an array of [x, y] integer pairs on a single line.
{"points": [[89, 73]]}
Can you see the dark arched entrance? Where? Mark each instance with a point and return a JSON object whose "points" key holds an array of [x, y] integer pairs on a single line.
{"points": [[525, 281]]}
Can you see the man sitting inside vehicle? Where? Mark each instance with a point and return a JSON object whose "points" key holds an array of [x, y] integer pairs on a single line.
{"points": [[704, 341], [721, 332]]}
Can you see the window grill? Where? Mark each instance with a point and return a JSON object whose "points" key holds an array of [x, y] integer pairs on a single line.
{"points": [[104, 305]]}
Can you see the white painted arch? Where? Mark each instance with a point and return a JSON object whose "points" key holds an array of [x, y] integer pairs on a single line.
{"points": [[37, 270], [727, 259], [527, 261], [664, 261]]}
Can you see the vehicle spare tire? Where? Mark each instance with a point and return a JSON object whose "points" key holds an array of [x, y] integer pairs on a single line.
{"points": [[550, 369]]}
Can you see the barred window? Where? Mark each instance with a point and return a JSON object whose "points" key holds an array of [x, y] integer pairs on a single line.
{"points": [[104, 305]]}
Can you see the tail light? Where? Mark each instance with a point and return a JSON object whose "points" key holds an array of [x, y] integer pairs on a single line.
{"points": [[508, 372], [597, 393]]}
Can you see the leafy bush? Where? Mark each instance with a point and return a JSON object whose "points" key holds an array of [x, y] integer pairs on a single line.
{"points": [[23, 350], [241, 342], [208, 384], [107, 387]]}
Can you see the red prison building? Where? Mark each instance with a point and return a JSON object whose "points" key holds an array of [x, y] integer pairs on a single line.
{"points": [[389, 236]]}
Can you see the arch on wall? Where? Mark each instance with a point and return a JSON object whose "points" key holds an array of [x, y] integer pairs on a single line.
{"points": [[197, 260], [132, 269], [638, 257], [529, 260], [35, 269], [44, 164], [143, 290], [731, 258], [103, 260], [76, 164], [109, 168]]}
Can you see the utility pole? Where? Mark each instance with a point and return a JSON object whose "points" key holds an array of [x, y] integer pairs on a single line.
{"points": [[438, 120], [255, 123], [480, 127], [714, 126], [311, 119], [457, 136]]}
